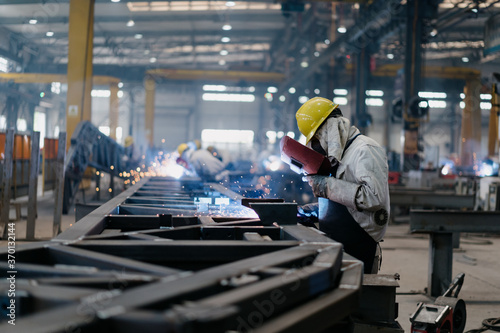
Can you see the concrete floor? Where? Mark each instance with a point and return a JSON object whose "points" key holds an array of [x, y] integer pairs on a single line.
{"points": [[403, 253]]}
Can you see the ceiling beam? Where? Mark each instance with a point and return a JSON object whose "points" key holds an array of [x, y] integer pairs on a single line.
{"points": [[243, 16]]}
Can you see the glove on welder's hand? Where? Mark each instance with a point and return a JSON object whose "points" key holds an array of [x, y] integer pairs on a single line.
{"points": [[318, 185]]}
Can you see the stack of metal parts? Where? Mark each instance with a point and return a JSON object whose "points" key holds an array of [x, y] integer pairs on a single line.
{"points": [[172, 255]]}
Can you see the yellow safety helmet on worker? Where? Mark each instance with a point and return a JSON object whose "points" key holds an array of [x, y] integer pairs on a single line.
{"points": [[312, 114], [128, 141], [182, 148]]}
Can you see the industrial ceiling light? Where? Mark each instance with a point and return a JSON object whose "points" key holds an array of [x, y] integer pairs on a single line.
{"points": [[130, 23], [223, 52], [138, 36], [49, 33], [33, 21], [152, 60], [434, 32], [327, 41], [316, 54], [227, 27], [115, 0], [230, 4], [342, 29], [291, 90], [465, 59], [225, 39], [222, 62], [390, 56], [317, 91], [304, 64]]}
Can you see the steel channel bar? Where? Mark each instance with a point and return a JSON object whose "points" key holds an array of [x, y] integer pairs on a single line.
{"points": [[98, 282], [5, 189], [454, 221], [320, 314], [33, 182], [431, 199], [225, 191], [74, 256], [94, 222], [306, 234], [184, 251]]}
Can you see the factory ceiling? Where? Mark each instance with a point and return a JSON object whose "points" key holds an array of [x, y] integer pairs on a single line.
{"points": [[292, 37]]}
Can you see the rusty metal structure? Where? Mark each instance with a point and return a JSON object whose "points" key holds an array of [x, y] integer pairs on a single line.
{"points": [[180, 255]]}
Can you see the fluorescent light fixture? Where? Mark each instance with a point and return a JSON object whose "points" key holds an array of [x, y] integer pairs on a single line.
{"points": [[223, 97], [465, 59], [462, 105], [485, 105], [303, 99], [100, 93], [120, 93], [272, 90], [437, 104], [225, 39], [130, 23], [138, 36], [341, 92], [292, 90], [431, 94], [485, 96], [49, 33], [33, 21], [340, 100], [374, 101], [227, 27], [227, 136], [462, 95], [304, 64], [222, 62], [213, 87], [390, 56], [152, 60], [120, 84], [342, 29], [375, 93], [223, 52], [115, 0], [282, 98], [230, 4]]}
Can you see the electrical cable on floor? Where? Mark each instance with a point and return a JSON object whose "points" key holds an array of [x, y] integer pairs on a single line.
{"points": [[488, 324]]}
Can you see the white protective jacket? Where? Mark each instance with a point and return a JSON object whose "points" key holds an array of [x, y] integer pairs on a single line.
{"points": [[361, 178], [205, 164]]}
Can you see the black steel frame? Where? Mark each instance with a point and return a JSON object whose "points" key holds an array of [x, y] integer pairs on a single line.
{"points": [[151, 259]]}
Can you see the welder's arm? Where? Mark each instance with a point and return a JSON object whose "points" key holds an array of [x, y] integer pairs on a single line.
{"points": [[371, 173]]}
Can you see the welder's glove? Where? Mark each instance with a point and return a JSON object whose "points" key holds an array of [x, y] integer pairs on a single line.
{"points": [[318, 185]]}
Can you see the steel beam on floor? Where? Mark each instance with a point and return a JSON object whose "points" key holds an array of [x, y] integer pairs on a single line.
{"points": [[431, 199]]}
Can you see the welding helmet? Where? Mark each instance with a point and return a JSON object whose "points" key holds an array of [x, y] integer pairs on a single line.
{"points": [[129, 141], [312, 114], [182, 148]]}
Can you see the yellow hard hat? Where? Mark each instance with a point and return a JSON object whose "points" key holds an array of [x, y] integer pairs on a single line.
{"points": [[312, 114], [129, 141], [182, 148]]}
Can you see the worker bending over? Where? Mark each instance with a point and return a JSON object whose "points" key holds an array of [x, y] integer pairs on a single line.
{"points": [[353, 201], [206, 165]]}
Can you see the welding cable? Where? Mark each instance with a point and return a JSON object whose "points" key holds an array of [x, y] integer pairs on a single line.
{"points": [[488, 324]]}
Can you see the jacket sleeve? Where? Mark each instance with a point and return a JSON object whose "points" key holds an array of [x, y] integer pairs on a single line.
{"points": [[367, 192]]}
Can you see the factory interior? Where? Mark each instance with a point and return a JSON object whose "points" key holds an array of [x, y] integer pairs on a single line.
{"points": [[195, 166]]}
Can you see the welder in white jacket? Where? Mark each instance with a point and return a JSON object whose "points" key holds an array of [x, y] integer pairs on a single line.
{"points": [[353, 201]]}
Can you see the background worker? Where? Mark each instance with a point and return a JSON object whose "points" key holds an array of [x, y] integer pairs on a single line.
{"points": [[132, 156], [353, 201], [203, 162]]}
